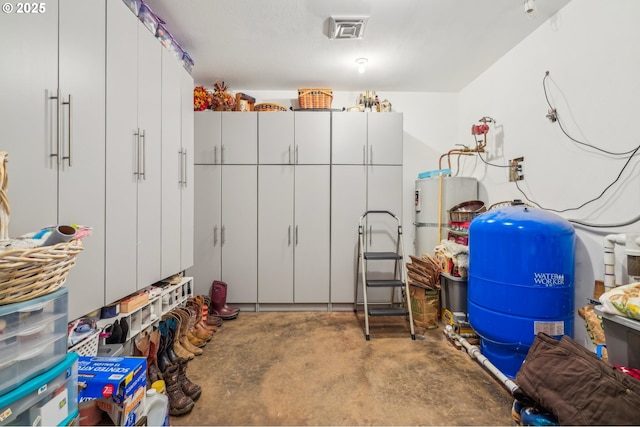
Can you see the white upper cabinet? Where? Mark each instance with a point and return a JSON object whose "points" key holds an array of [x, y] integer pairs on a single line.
{"points": [[276, 138], [312, 138], [208, 137], [384, 138], [239, 138], [349, 138]]}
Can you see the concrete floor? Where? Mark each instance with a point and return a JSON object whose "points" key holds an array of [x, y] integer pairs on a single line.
{"points": [[316, 368]]}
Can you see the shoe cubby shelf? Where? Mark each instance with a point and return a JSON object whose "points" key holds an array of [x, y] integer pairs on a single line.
{"points": [[161, 301]]}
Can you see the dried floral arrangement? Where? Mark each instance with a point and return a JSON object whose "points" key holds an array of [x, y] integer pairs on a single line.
{"points": [[201, 99], [218, 99]]}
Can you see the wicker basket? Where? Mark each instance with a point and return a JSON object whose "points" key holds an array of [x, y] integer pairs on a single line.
{"points": [[269, 106], [315, 98], [29, 273]]}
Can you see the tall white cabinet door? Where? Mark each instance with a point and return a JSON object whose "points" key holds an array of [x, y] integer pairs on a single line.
{"points": [[384, 192], [207, 229], [348, 203], [275, 138], [275, 233], [239, 231], [208, 136], [312, 138], [311, 234], [172, 164], [385, 136], [239, 138], [349, 138], [150, 186], [121, 152], [187, 194], [82, 170], [28, 78]]}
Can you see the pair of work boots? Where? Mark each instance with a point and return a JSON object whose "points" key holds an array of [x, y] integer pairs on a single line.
{"points": [[218, 302], [164, 364]]}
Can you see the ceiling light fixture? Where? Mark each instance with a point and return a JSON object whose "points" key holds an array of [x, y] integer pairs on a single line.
{"points": [[530, 8], [347, 28], [361, 64]]}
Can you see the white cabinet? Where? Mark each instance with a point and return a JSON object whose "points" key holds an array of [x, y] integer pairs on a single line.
{"points": [[366, 138], [239, 144], [370, 181], [293, 234], [225, 230], [207, 126], [312, 138], [207, 226], [133, 154], [53, 128], [276, 138], [177, 167]]}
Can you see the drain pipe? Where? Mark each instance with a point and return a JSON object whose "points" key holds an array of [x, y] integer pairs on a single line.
{"points": [[474, 353]]}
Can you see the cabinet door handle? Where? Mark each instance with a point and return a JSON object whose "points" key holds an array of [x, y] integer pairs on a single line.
{"points": [[58, 107], [69, 128], [180, 166], [215, 235], [289, 154], [371, 154], [143, 174], [137, 142], [296, 156], [370, 235], [296, 234], [184, 169], [222, 235], [215, 155], [222, 154], [289, 236], [364, 154]]}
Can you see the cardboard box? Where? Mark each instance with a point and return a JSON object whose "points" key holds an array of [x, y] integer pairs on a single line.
{"points": [[133, 302], [118, 384], [424, 306]]}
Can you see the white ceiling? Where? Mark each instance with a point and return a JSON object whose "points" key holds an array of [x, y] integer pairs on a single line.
{"points": [[411, 45]]}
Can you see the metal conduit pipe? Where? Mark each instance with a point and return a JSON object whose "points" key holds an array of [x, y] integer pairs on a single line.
{"points": [[474, 352]]}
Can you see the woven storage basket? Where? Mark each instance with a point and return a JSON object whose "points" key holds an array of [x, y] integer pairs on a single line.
{"points": [[269, 106], [29, 273], [315, 98]]}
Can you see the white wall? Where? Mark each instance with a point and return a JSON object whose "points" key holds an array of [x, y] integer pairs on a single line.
{"points": [[591, 50]]}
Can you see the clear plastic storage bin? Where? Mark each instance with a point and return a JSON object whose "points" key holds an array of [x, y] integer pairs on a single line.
{"points": [[47, 400], [33, 338]]}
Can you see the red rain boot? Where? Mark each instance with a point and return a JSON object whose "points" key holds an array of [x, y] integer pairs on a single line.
{"points": [[219, 307]]}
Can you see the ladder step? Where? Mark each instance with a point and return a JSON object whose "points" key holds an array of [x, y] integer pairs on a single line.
{"points": [[381, 255], [385, 283], [387, 311]]}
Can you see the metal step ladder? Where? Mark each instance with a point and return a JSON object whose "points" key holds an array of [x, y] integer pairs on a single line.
{"points": [[397, 279]]}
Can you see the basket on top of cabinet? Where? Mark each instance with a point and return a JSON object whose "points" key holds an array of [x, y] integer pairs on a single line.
{"points": [[315, 98]]}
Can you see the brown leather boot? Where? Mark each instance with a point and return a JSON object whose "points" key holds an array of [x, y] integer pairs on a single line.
{"points": [[184, 334], [198, 302], [152, 360], [178, 349], [179, 403], [211, 319], [189, 388], [197, 332]]}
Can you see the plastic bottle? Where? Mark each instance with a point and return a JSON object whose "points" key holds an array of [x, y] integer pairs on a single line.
{"points": [[157, 408]]}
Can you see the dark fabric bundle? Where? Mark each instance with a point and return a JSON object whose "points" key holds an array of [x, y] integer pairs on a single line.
{"points": [[576, 386]]}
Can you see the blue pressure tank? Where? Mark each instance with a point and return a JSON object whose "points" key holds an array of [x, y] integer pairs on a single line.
{"points": [[521, 281]]}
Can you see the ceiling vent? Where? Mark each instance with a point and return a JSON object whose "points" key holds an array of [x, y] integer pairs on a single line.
{"points": [[347, 28]]}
